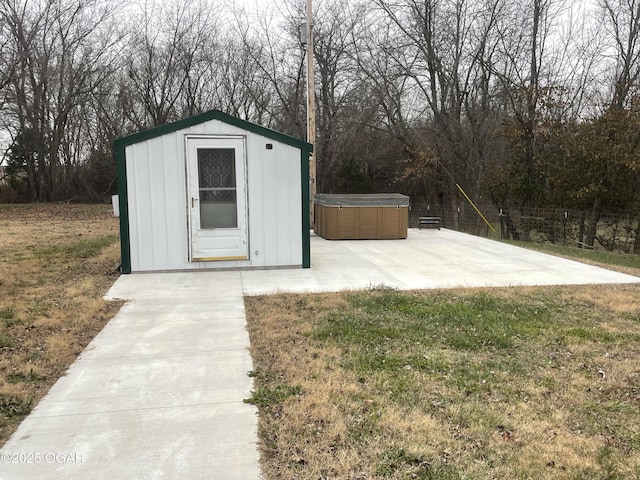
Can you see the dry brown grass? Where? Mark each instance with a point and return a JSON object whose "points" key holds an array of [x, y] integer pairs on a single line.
{"points": [[56, 263], [371, 390]]}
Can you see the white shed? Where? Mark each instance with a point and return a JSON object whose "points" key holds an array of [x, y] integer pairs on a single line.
{"points": [[213, 192]]}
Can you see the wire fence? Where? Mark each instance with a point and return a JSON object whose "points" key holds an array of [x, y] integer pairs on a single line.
{"points": [[545, 225]]}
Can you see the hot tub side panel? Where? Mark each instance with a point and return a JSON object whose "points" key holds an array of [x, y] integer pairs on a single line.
{"points": [[361, 223]]}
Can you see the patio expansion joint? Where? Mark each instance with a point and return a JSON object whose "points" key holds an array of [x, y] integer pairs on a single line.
{"points": [[92, 355], [35, 416]]}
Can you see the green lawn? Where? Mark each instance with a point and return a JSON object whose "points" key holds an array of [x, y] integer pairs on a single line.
{"points": [[496, 383]]}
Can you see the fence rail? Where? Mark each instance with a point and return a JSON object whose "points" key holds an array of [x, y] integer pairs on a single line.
{"points": [[545, 225]]}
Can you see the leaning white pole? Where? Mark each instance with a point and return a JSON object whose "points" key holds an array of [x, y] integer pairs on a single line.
{"points": [[311, 107]]}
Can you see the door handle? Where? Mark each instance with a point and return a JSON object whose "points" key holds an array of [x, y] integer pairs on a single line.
{"points": [[193, 200]]}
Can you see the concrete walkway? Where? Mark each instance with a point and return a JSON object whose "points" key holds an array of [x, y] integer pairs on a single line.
{"points": [[158, 393]]}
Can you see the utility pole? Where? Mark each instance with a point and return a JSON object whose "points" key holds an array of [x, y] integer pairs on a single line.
{"points": [[311, 107]]}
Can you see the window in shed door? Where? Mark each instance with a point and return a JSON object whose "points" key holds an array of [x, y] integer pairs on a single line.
{"points": [[217, 188]]}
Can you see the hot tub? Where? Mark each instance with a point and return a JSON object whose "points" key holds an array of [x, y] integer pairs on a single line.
{"points": [[366, 216]]}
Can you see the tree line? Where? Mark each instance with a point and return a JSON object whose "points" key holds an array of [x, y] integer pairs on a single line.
{"points": [[520, 102]]}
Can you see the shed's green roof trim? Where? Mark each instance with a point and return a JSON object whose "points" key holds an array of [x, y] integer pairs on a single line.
{"points": [[206, 117]]}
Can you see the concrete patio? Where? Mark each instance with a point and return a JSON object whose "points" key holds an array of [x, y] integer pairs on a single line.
{"points": [[427, 259]]}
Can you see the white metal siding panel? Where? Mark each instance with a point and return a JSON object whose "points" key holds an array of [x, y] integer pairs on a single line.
{"points": [[155, 186], [268, 210], [156, 234], [139, 206], [170, 221], [215, 127], [174, 203], [280, 198], [132, 200], [256, 205], [289, 207]]}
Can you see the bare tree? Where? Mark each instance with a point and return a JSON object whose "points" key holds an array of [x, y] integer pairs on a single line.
{"points": [[7, 60], [340, 95], [609, 166], [545, 65], [168, 61], [432, 66], [57, 47], [277, 59], [524, 38], [621, 20], [241, 87]]}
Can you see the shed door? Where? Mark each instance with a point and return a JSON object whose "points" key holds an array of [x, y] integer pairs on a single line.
{"points": [[217, 199]]}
